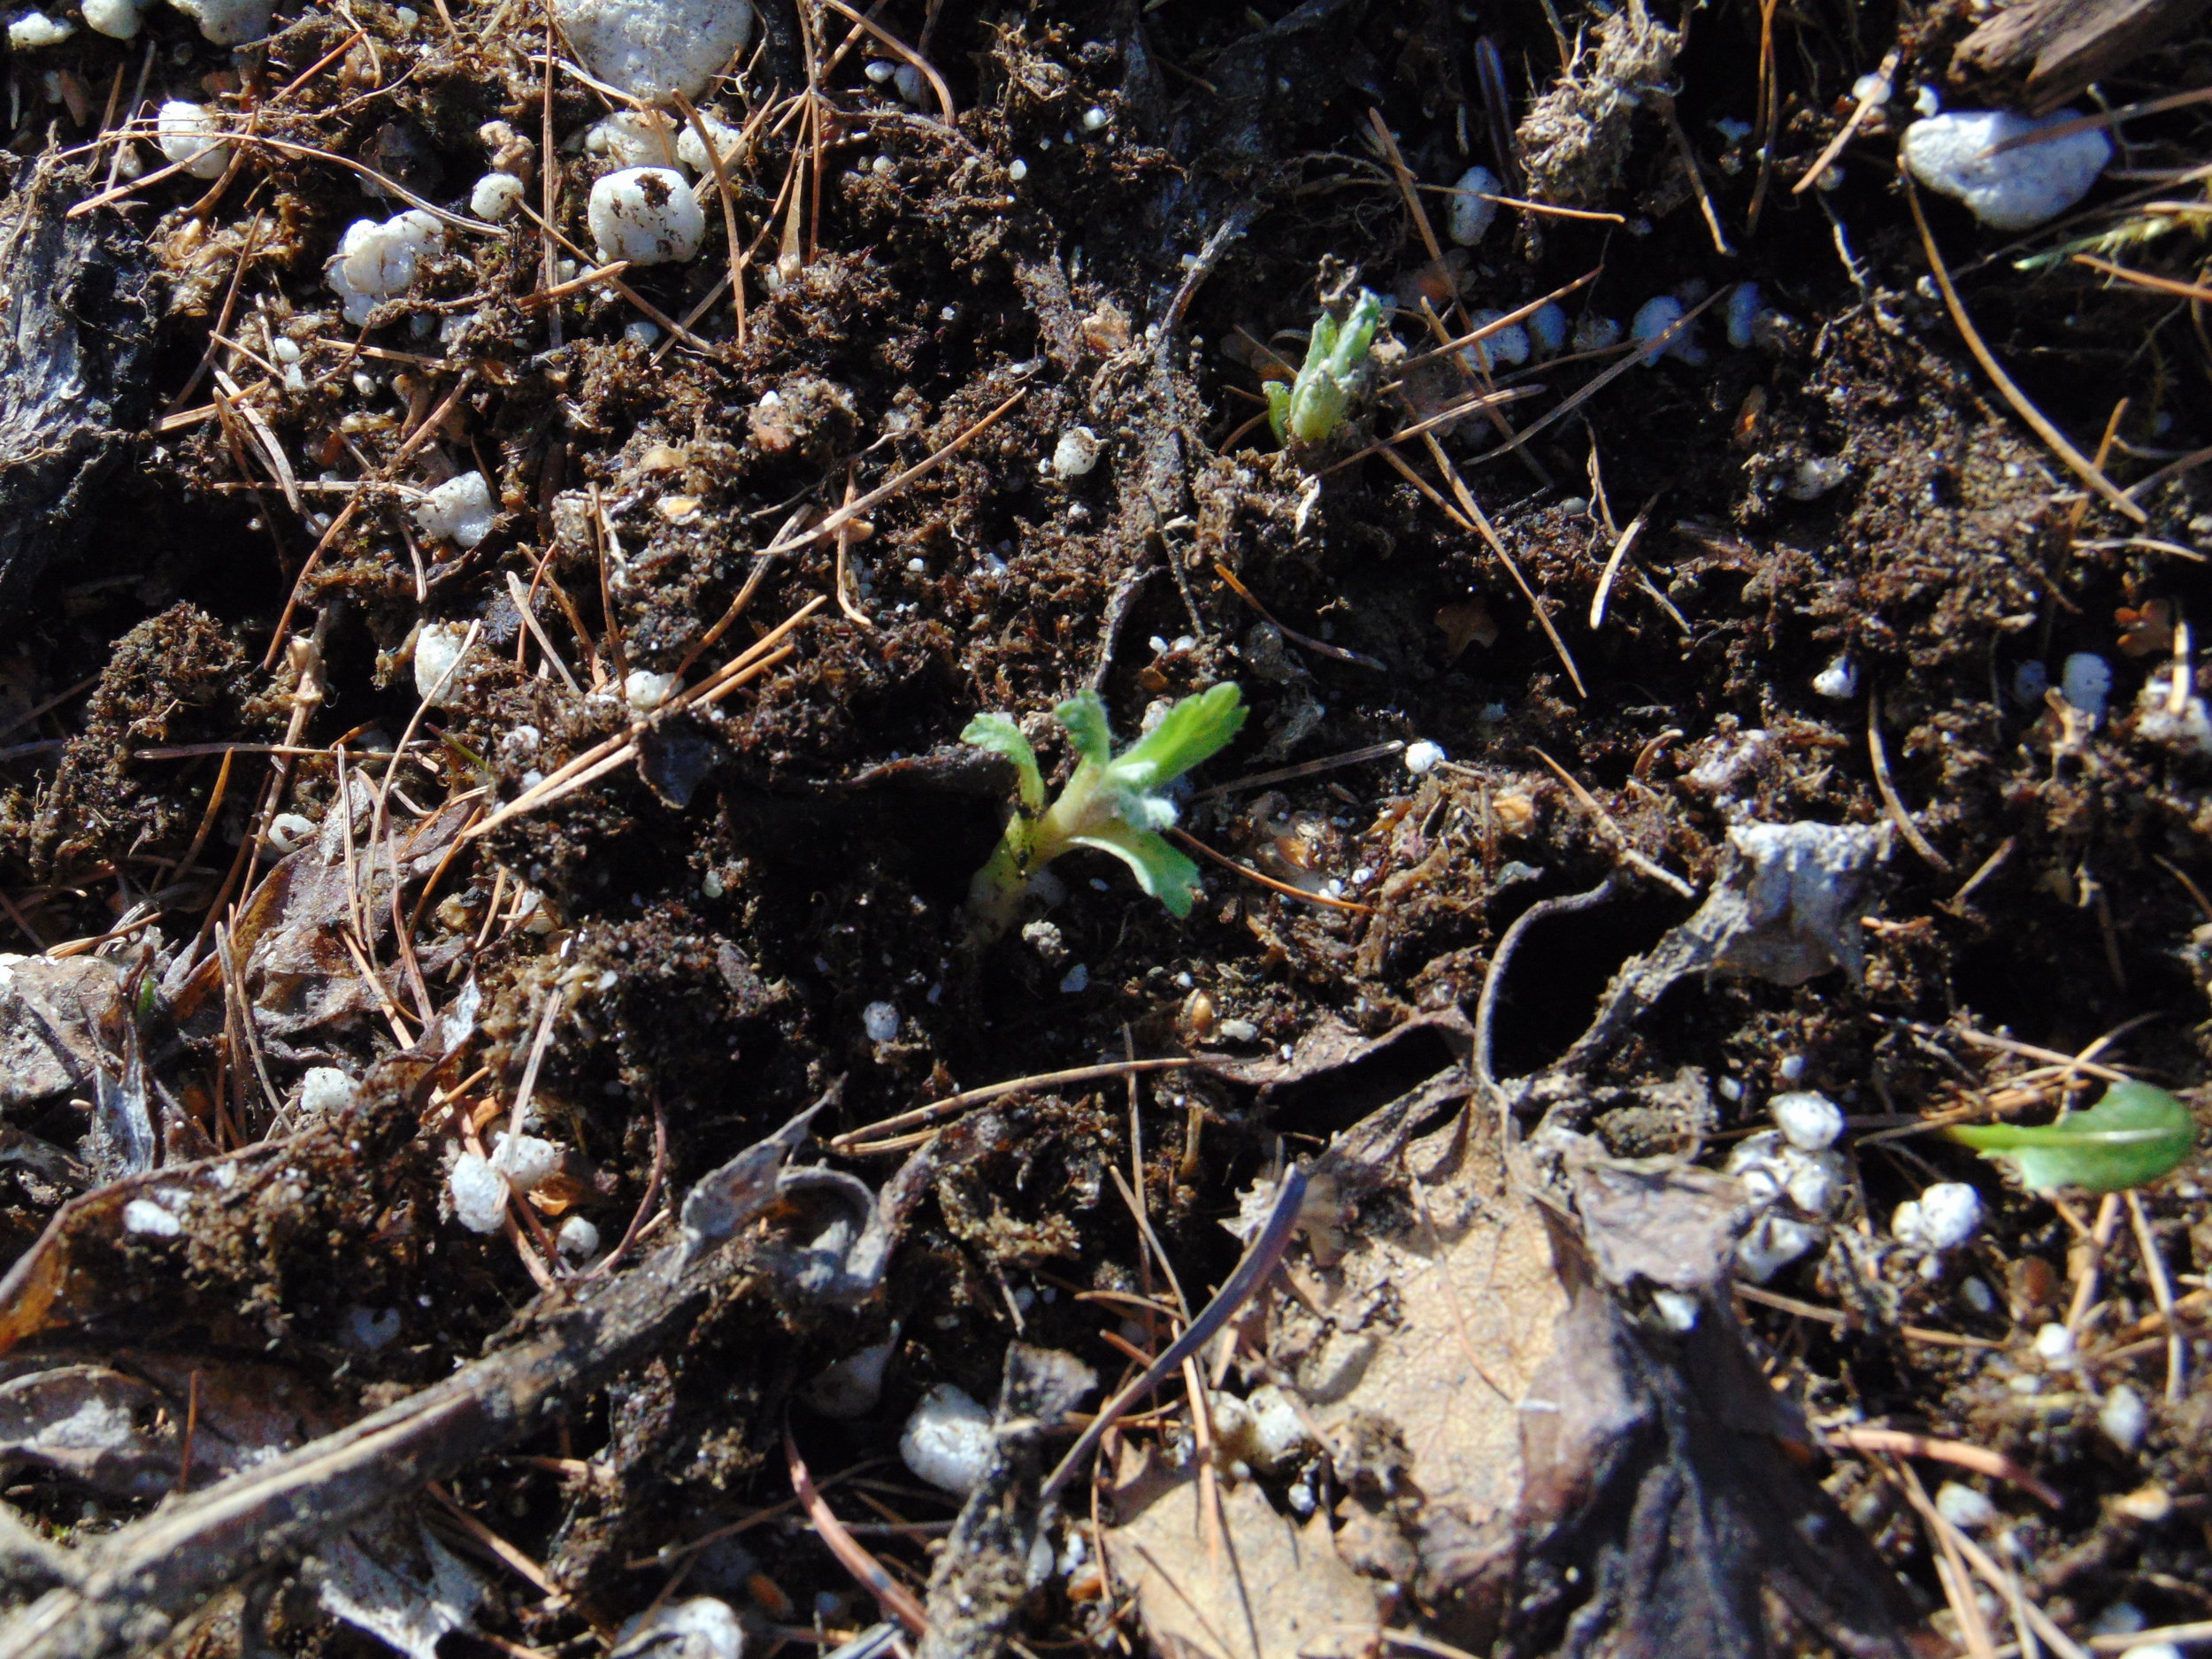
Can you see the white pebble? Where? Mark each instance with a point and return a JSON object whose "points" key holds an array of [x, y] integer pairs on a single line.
{"points": [[480, 1193], [1743, 311], [2087, 682], [1676, 1309], [698, 1627], [376, 262], [1964, 1508], [1978, 1296], [1808, 1121], [1470, 214], [371, 1328], [526, 1161], [326, 1090], [578, 1239], [1653, 318], [1547, 328], [1839, 683], [1279, 1435], [1095, 119], [2018, 189], [461, 509], [634, 138], [1792, 1067], [2123, 1418], [1075, 980], [948, 1441], [1076, 453], [1905, 1224], [645, 691], [117, 19], [880, 1021], [1508, 346], [850, 1388], [1757, 1161], [652, 48], [143, 1215], [228, 22], [1950, 1214], [289, 832], [1422, 756], [1017, 170], [2054, 1344], [28, 31], [911, 84], [185, 132], [1772, 1244], [693, 154], [646, 215], [2152, 1651], [437, 653], [1816, 1181], [495, 196]]}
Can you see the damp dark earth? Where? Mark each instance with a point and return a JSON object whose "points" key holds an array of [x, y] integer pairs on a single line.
{"points": [[1249, 832]]}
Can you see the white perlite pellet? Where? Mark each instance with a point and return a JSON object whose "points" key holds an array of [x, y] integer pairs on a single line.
{"points": [[479, 1193], [461, 509], [646, 215], [2017, 189], [948, 1441], [1808, 1121], [188, 136], [650, 49]]}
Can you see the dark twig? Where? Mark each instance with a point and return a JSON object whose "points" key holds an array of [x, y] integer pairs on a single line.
{"points": [[1259, 1262]]}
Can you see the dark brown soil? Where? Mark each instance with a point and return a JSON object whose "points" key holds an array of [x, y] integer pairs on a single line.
{"points": [[724, 910]]}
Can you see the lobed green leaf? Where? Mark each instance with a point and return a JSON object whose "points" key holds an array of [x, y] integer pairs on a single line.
{"points": [[998, 734], [1196, 730]]}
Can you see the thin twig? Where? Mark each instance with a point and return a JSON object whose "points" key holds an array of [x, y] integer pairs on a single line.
{"points": [[2077, 463], [1895, 807], [849, 1141], [1255, 1267]]}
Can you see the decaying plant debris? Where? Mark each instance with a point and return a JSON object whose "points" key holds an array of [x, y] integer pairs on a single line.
{"points": [[511, 1126]]}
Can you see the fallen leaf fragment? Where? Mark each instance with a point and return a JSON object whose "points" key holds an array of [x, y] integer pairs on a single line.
{"points": [[1274, 1589]]}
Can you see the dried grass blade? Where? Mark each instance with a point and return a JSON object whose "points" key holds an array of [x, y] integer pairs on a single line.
{"points": [[893, 1597], [2077, 463]]}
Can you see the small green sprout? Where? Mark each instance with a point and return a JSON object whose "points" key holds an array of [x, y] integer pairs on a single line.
{"points": [[1117, 803], [1308, 410], [2132, 1136]]}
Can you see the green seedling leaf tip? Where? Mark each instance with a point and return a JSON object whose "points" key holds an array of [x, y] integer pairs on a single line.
{"points": [[1334, 372], [2132, 1137], [1114, 803]]}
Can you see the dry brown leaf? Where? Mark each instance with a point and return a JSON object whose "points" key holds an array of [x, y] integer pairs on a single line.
{"points": [[1272, 1590], [52, 1013], [1439, 1319], [1468, 623]]}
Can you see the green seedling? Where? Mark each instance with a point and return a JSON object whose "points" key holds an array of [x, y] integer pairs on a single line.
{"points": [[1117, 803], [1308, 410], [2132, 1136]]}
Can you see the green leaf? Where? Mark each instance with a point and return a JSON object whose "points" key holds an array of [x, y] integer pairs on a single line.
{"points": [[998, 734], [1196, 730], [1358, 334], [2132, 1136], [1160, 870], [1085, 717]]}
